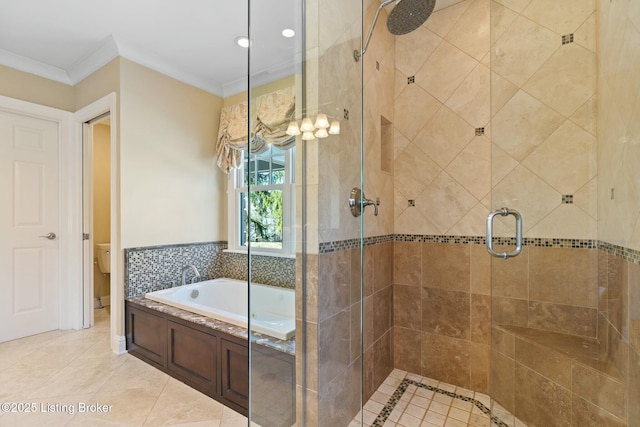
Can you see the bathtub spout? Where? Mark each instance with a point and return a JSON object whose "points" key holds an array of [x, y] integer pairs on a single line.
{"points": [[185, 270]]}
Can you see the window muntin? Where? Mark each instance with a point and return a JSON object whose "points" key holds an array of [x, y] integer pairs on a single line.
{"points": [[267, 225]]}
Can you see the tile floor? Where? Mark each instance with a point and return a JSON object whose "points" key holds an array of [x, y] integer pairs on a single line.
{"points": [[423, 402], [60, 370]]}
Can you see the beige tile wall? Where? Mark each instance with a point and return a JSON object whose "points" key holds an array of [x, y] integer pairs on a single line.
{"points": [[547, 379], [544, 114], [333, 351], [619, 124], [441, 312], [618, 197], [542, 108], [619, 317], [547, 288], [334, 304]]}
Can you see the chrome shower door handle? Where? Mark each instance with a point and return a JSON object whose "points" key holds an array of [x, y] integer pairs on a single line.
{"points": [[504, 212]]}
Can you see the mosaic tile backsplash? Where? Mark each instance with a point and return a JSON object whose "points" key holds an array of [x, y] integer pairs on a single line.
{"points": [[153, 268]]}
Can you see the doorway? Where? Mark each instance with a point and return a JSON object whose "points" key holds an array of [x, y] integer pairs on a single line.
{"points": [[99, 112], [96, 149]]}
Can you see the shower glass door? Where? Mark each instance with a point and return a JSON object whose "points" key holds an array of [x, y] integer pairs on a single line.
{"points": [[560, 309], [266, 206], [301, 233]]}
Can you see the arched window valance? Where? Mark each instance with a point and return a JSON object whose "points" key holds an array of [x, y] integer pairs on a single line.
{"points": [[270, 118]]}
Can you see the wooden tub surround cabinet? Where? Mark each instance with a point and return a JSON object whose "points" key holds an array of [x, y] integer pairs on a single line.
{"points": [[214, 362]]}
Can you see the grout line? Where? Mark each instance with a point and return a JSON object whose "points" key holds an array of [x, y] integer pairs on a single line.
{"points": [[395, 398]]}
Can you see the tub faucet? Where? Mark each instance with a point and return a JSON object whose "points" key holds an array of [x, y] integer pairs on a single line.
{"points": [[185, 270]]}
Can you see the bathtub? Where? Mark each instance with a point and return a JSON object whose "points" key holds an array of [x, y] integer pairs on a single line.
{"points": [[272, 308]]}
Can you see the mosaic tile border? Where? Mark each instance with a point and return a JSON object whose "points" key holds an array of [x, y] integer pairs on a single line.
{"points": [[341, 245], [395, 398], [630, 255], [481, 240]]}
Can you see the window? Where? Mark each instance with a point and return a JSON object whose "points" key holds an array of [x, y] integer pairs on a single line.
{"points": [[264, 215]]}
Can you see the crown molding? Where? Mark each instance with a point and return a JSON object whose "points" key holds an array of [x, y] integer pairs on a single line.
{"points": [[141, 57], [109, 49], [84, 67], [32, 66]]}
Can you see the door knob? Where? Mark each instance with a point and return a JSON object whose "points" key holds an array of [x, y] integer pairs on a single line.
{"points": [[50, 236]]}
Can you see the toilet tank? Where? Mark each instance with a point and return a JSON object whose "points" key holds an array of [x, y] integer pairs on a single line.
{"points": [[104, 257]]}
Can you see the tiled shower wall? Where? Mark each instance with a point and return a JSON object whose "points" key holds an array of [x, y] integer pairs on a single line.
{"points": [[542, 110], [333, 167], [441, 308], [493, 107], [335, 318], [153, 268], [618, 185]]}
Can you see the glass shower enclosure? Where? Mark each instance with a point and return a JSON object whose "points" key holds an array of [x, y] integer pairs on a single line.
{"points": [[505, 128], [320, 380]]}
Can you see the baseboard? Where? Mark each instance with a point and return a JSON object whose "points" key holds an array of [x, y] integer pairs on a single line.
{"points": [[119, 344]]}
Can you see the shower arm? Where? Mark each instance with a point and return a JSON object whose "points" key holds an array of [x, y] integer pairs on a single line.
{"points": [[358, 54]]}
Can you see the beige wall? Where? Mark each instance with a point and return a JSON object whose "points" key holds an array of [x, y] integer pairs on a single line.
{"points": [[32, 88], [101, 183], [98, 84], [171, 190], [101, 199]]}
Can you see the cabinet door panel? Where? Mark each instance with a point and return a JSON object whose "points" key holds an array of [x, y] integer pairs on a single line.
{"points": [[192, 356], [234, 372], [146, 336]]}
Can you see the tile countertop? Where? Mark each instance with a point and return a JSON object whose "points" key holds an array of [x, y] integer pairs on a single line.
{"points": [[288, 346]]}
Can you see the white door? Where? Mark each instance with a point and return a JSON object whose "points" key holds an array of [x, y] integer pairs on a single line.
{"points": [[29, 194]]}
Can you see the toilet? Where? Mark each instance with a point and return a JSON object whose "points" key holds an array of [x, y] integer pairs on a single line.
{"points": [[104, 257]]}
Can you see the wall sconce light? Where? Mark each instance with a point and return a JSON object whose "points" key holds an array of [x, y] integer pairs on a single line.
{"points": [[321, 129]]}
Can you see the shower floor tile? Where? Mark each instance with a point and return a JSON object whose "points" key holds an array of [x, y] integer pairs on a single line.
{"points": [[409, 400]]}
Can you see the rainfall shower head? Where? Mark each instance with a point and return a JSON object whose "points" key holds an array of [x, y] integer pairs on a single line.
{"points": [[406, 16]]}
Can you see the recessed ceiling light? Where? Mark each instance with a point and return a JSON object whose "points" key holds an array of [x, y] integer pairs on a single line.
{"points": [[288, 33], [242, 41]]}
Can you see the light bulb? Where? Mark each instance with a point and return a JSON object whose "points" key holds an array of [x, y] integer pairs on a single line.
{"points": [[335, 128], [293, 129], [321, 133], [308, 136], [307, 125], [243, 41], [321, 121]]}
